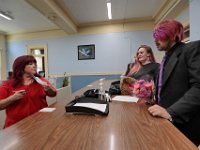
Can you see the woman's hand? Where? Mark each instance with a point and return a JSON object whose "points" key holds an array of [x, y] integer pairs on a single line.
{"points": [[13, 98], [159, 111], [18, 95], [46, 87], [49, 90]]}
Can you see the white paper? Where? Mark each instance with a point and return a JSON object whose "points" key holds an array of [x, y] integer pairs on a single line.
{"points": [[47, 109], [100, 107], [125, 98]]}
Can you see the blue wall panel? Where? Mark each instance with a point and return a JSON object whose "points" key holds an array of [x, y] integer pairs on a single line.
{"points": [[78, 82]]}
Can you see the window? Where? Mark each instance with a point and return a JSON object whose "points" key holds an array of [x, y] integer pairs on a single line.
{"points": [[40, 54]]}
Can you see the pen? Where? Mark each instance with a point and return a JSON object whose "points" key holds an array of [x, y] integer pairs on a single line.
{"points": [[20, 91]]}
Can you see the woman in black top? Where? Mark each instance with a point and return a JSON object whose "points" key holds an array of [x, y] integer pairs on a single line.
{"points": [[144, 65]]}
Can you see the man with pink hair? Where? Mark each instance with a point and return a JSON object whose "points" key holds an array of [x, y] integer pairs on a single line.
{"points": [[178, 83]]}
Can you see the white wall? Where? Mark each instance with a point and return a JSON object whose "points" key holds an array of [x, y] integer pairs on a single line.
{"points": [[113, 51], [194, 9]]}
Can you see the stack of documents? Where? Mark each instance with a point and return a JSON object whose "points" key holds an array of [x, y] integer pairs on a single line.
{"points": [[87, 105], [100, 107]]}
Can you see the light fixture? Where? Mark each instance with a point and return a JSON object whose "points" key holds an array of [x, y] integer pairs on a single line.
{"points": [[109, 10], [5, 15]]}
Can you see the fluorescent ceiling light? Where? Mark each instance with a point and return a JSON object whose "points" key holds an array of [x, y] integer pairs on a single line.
{"points": [[109, 10], [6, 16]]}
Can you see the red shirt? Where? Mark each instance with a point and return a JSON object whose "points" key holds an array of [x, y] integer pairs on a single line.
{"points": [[33, 100]]}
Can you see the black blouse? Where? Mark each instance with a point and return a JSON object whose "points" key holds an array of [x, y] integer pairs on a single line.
{"points": [[150, 69]]}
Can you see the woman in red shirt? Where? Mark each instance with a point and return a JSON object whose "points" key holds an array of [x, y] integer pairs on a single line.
{"points": [[23, 94]]}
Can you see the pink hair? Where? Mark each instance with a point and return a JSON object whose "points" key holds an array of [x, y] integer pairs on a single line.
{"points": [[137, 65], [19, 66], [169, 29]]}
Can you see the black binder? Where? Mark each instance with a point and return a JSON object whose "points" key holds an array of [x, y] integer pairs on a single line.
{"points": [[75, 108]]}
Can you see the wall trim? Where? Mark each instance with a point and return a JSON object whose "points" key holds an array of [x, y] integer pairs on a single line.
{"points": [[86, 74], [101, 29]]}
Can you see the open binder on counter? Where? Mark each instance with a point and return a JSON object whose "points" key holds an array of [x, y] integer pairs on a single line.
{"points": [[87, 105]]}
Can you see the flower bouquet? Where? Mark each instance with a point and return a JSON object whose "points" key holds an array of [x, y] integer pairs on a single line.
{"points": [[143, 89]]}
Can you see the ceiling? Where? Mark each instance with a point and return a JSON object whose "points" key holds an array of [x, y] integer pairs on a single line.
{"points": [[71, 15]]}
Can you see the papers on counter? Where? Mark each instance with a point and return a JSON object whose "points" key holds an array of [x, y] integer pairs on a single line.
{"points": [[47, 109], [124, 98], [96, 106]]}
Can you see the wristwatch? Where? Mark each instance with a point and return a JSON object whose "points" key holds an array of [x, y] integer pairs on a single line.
{"points": [[170, 118]]}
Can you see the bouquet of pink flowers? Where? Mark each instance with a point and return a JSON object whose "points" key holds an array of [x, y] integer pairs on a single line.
{"points": [[142, 88]]}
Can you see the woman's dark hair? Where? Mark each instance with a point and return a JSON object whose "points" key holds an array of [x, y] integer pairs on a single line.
{"points": [[19, 66]]}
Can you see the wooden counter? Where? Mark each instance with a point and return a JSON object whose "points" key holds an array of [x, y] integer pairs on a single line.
{"points": [[128, 126]]}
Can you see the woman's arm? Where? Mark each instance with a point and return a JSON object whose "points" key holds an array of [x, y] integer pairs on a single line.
{"points": [[50, 90], [12, 98]]}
